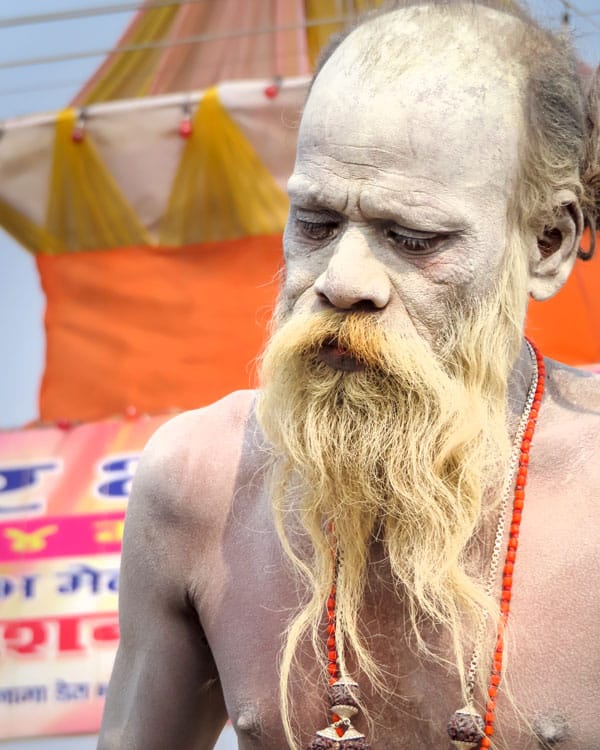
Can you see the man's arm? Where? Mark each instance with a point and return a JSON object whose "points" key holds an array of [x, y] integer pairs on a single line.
{"points": [[164, 691]]}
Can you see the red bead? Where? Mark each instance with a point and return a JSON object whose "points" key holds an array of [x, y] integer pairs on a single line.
{"points": [[489, 718], [520, 494], [508, 569], [64, 424], [518, 504], [511, 555], [492, 691], [524, 458], [507, 582], [332, 669], [514, 529], [185, 127], [331, 604], [330, 629], [491, 705], [489, 730], [505, 607], [331, 642], [272, 91], [78, 135], [495, 680], [332, 656], [485, 742]]}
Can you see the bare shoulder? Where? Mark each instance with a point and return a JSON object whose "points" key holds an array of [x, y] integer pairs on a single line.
{"points": [[188, 468], [573, 392], [568, 432]]}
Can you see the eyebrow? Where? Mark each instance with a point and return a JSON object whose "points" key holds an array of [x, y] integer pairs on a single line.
{"points": [[309, 194], [412, 206], [406, 208]]}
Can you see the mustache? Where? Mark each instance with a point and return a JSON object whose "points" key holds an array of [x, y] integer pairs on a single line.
{"points": [[359, 335]]}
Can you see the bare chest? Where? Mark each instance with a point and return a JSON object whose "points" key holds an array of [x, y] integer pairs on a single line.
{"points": [[550, 692]]}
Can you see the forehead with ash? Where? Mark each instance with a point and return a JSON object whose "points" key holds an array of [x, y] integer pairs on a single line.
{"points": [[452, 39], [422, 69]]}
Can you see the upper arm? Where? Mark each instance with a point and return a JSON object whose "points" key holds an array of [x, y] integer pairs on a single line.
{"points": [[165, 690]]}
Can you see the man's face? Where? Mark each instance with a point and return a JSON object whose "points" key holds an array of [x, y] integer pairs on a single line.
{"points": [[400, 191]]}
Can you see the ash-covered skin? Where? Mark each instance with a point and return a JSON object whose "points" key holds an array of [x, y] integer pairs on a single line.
{"points": [[396, 196], [383, 165]]}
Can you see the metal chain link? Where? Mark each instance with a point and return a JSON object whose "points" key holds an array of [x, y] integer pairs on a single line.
{"points": [[499, 536]]}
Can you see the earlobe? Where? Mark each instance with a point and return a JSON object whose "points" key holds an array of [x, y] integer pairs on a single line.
{"points": [[555, 251]]}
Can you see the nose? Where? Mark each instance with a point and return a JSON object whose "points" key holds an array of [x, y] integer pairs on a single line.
{"points": [[354, 278]]}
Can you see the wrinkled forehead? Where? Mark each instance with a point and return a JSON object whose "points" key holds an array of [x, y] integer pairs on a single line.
{"points": [[420, 89]]}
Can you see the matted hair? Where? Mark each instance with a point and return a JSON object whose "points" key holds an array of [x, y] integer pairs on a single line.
{"points": [[561, 149]]}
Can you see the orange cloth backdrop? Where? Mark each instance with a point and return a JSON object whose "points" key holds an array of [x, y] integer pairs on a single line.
{"points": [[154, 328], [567, 327]]}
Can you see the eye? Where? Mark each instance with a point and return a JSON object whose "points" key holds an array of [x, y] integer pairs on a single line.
{"points": [[316, 225], [317, 230], [412, 241]]}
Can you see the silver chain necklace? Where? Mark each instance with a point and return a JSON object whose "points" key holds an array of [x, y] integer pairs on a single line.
{"points": [[468, 714]]}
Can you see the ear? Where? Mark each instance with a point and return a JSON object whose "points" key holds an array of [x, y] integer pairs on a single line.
{"points": [[555, 251]]}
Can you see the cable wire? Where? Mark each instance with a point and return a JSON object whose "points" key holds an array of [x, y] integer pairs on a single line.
{"points": [[38, 87], [98, 10], [165, 44]]}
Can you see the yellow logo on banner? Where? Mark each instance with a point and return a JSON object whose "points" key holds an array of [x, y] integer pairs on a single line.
{"points": [[109, 532], [30, 541]]}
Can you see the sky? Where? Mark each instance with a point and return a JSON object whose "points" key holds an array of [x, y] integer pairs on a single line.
{"points": [[25, 90], [48, 87]]}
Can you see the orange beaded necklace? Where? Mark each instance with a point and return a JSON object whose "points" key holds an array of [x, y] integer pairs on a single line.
{"points": [[466, 728]]}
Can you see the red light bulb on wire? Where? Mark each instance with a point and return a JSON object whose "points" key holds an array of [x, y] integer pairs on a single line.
{"points": [[272, 91], [185, 126], [78, 134]]}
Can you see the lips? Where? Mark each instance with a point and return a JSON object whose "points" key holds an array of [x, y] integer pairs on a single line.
{"points": [[338, 358]]}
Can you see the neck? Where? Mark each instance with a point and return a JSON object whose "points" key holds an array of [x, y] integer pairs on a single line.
{"points": [[519, 382]]}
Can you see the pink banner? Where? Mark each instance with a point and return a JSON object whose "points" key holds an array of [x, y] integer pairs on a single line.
{"points": [[63, 495], [63, 536]]}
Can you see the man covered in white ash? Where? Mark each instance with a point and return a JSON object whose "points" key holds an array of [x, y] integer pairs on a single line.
{"points": [[393, 543]]}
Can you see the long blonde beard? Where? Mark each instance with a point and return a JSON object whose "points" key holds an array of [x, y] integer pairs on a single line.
{"points": [[402, 451]]}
